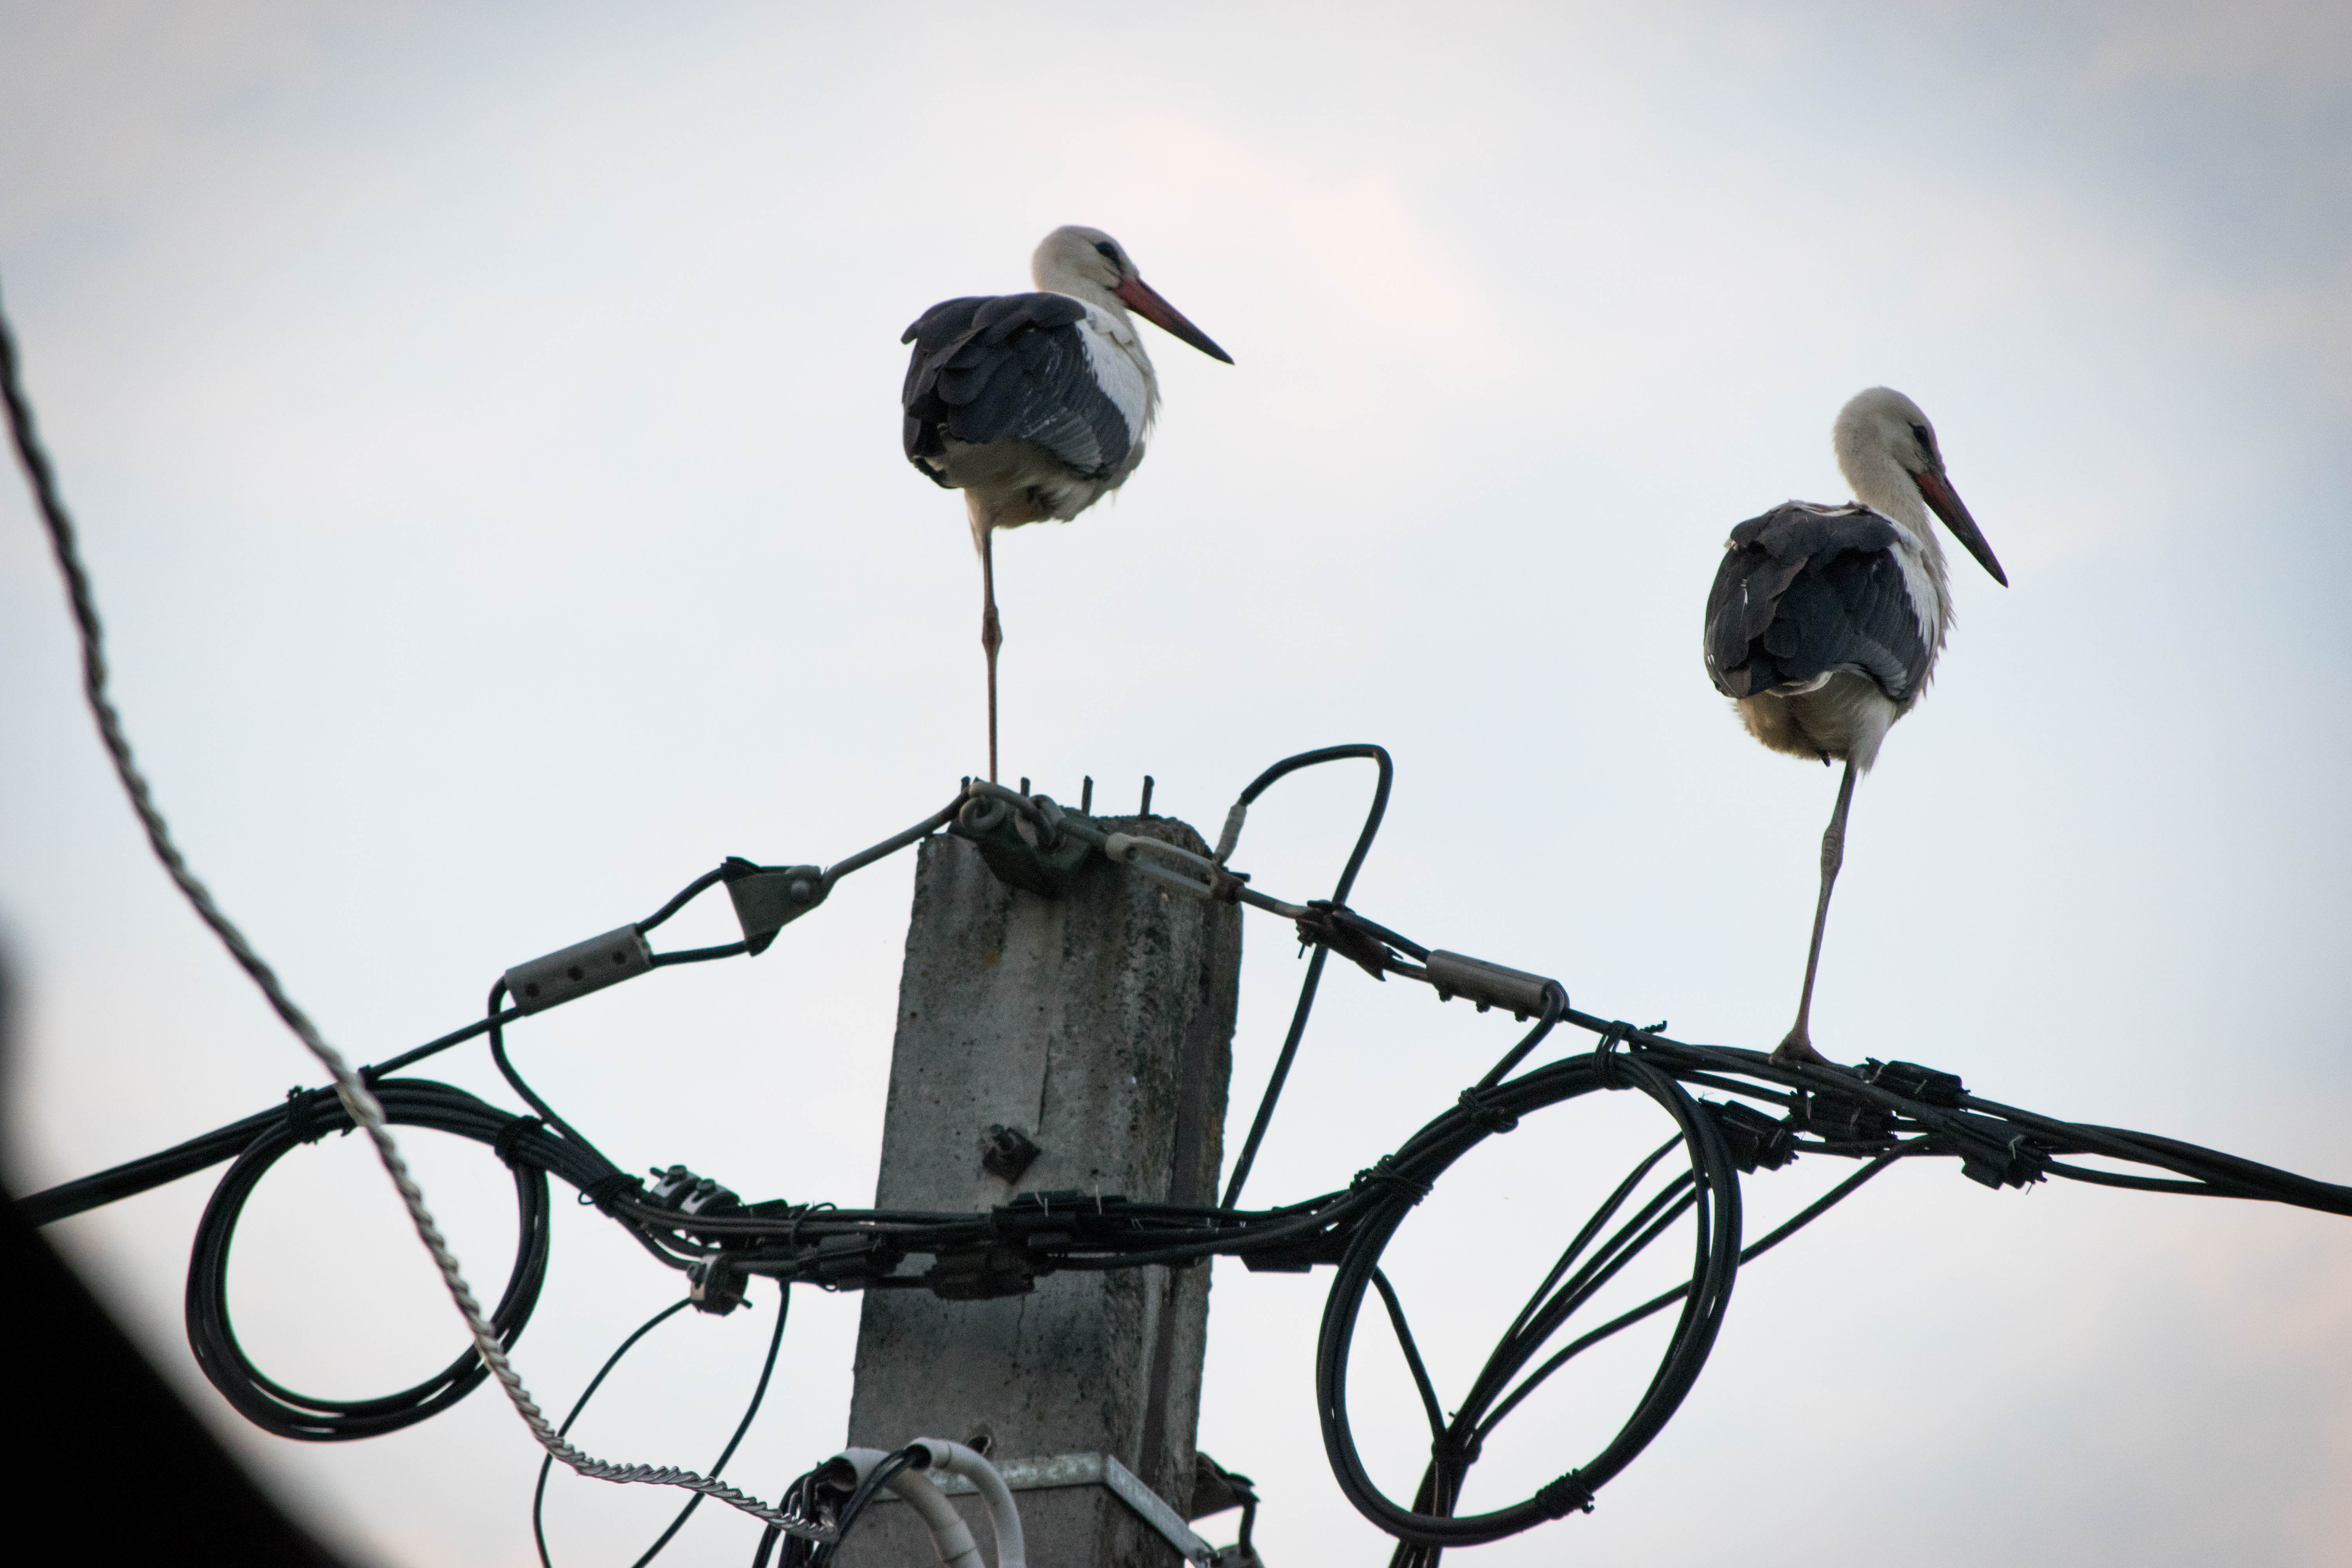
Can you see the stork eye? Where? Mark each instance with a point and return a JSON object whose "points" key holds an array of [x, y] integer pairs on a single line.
{"points": [[1926, 438], [1107, 248]]}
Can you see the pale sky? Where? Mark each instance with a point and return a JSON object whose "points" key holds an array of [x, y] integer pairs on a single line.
{"points": [[482, 425]]}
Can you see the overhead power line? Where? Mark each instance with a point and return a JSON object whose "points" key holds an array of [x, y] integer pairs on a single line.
{"points": [[1771, 1113]]}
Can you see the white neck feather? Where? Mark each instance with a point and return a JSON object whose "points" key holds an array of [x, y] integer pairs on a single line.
{"points": [[1884, 486], [1880, 483], [1050, 275]]}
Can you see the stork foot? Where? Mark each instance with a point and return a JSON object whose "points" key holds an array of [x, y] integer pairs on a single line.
{"points": [[1798, 1048]]}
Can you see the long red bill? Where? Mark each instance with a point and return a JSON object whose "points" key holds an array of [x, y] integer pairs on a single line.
{"points": [[1938, 491], [1146, 302]]}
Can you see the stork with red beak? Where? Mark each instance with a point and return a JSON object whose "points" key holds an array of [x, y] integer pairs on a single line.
{"points": [[1035, 405], [1825, 621]]}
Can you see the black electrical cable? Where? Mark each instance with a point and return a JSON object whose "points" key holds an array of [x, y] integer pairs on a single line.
{"points": [[1626, 1319], [883, 1472], [538, 1491], [1553, 1006], [454, 1037], [150, 1172], [698, 954], [758, 1392], [1884, 1113], [206, 1148], [1306, 987], [270, 1404], [684, 897], [515, 1079], [1710, 1191]]}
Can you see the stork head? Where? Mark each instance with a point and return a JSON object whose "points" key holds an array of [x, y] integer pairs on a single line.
{"points": [[1088, 264], [1889, 452]]}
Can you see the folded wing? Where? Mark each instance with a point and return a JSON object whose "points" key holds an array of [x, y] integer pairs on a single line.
{"points": [[1009, 366], [1807, 591]]}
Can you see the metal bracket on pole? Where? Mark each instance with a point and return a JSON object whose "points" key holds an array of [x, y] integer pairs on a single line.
{"points": [[1094, 1470]]}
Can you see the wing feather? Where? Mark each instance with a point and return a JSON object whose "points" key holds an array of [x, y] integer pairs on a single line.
{"points": [[1804, 591], [1012, 365]]}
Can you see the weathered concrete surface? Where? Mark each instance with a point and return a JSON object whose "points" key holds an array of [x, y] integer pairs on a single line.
{"points": [[1101, 1024]]}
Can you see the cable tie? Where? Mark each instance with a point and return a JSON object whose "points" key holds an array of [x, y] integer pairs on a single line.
{"points": [[1462, 1447], [1485, 1109], [512, 1134], [792, 1225], [303, 1123], [1605, 1061], [1565, 1495], [1383, 1172], [607, 1189]]}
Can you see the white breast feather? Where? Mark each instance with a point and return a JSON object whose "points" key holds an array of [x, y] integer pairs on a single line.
{"points": [[1922, 584], [1120, 369]]}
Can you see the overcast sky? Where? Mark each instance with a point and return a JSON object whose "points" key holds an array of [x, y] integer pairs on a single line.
{"points": [[482, 424]]}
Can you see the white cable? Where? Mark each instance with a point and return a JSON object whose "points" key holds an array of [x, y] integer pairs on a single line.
{"points": [[357, 1098], [950, 1537], [1011, 1551]]}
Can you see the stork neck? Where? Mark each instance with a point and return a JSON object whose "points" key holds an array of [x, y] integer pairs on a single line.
{"points": [[1881, 484], [1055, 279]]}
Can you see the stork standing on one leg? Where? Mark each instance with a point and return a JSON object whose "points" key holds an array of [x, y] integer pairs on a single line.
{"points": [[1824, 621], [1035, 405]]}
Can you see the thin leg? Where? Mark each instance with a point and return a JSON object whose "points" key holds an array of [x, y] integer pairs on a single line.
{"points": [[1798, 1046], [992, 636]]}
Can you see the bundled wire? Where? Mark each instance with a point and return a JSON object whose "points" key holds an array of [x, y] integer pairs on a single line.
{"points": [[275, 1409], [1876, 1114], [835, 1494], [1709, 1192], [1226, 842]]}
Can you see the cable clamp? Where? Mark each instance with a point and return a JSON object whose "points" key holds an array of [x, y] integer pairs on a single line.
{"points": [[1485, 986], [516, 1129], [577, 970], [769, 897], [715, 1285], [690, 1194], [1753, 1140], [1565, 1495], [1326, 925], [1834, 1118], [1912, 1081], [1485, 1109], [1383, 1172]]}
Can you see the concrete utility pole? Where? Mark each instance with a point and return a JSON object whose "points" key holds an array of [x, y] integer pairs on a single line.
{"points": [[1098, 1026]]}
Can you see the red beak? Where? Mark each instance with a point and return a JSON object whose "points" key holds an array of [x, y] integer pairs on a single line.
{"points": [[1140, 298], [1937, 492]]}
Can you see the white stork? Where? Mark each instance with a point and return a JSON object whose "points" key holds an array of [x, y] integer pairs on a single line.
{"points": [[1824, 621], [1035, 405]]}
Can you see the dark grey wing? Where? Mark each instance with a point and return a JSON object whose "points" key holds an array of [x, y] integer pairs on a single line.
{"points": [[1806, 590], [1011, 366]]}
